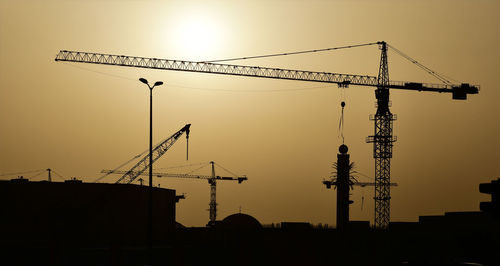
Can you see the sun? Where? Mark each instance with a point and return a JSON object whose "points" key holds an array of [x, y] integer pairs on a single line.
{"points": [[198, 37]]}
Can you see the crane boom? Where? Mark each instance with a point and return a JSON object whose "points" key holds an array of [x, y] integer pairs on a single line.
{"points": [[130, 175], [330, 183], [459, 91], [239, 178], [364, 184], [383, 138], [212, 181]]}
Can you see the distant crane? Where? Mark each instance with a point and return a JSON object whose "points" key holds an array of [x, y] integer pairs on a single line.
{"points": [[160, 149], [212, 180], [382, 139]]}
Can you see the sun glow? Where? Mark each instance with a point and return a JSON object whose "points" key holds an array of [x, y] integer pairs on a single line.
{"points": [[198, 37]]}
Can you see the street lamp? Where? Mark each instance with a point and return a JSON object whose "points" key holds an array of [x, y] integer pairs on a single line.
{"points": [[150, 203]]}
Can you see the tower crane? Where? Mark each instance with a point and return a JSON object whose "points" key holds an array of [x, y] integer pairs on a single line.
{"points": [[212, 181], [160, 149], [382, 138]]}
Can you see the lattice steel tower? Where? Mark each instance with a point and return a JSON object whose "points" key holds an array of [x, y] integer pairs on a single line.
{"points": [[382, 144], [382, 139]]}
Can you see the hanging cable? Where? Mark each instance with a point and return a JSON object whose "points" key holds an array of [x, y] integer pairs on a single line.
{"points": [[442, 78], [99, 72], [187, 148], [362, 198], [235, 175], [125, 163], [60, 176], [341, 122], [120, 166], [182, 166], [210, 89], [357, 172], [290, 53], [21, 173], [41, 172], [197, 169]]}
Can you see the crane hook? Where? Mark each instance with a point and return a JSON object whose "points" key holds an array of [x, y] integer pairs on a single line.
{"points": [[341, 122]]}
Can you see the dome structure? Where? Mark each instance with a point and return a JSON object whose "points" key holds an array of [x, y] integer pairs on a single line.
{"points": [[240, 221]]}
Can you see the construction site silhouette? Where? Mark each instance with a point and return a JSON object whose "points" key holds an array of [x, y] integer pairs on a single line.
{"points": [[55, 223]]}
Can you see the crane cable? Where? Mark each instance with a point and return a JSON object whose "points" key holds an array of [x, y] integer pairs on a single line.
{"points": [[235, 175], [21, 173], [120, 166], [41, 172], [59, 175], [199, 168], [289, 53], [182, 166], [441, 77], [204, 89], [341, 122], [125, 163], [362, 197]]}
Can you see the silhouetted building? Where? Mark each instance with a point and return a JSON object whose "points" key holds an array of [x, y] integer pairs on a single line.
{"points": [[296, 226], [240, 221], [460, 221], [358, 225], [493, 189], [342, 183], [343, 180], [76, 213], [403, 226], [75, 223]]}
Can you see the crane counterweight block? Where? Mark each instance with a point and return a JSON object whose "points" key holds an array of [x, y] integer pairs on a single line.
{"points": [[460, 92]]}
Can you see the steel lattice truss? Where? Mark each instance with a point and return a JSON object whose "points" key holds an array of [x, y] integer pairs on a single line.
{"points": [[248, 71], [382, 139], [382, 153], [212, 180], [158, 151], [382, 146]]}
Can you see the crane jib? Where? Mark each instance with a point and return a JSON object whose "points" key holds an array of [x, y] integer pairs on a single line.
{"points": [[459, 91], [129, 176]]}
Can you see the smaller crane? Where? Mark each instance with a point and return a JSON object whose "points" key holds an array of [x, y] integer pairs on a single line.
{"points": [[141, 166], [212, 181]]}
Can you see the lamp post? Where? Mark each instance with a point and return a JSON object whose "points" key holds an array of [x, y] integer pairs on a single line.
{"points": [[150, 201]]}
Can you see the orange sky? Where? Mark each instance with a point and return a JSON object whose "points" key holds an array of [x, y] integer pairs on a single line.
{"points": [[79, 119]]}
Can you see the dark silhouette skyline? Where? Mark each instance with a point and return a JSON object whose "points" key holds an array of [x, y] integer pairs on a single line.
{"points": [[56, 223], [81, 119]]}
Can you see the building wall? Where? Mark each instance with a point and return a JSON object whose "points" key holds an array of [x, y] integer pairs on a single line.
{"points": [[87, 214]]}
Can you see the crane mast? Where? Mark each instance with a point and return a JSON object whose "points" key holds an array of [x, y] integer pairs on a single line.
{"points": [[382, 139], [213, 196], [382, 145], [212, 181]]}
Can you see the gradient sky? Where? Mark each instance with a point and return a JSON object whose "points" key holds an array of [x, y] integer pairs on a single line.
{"points": [[79, 119]]}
